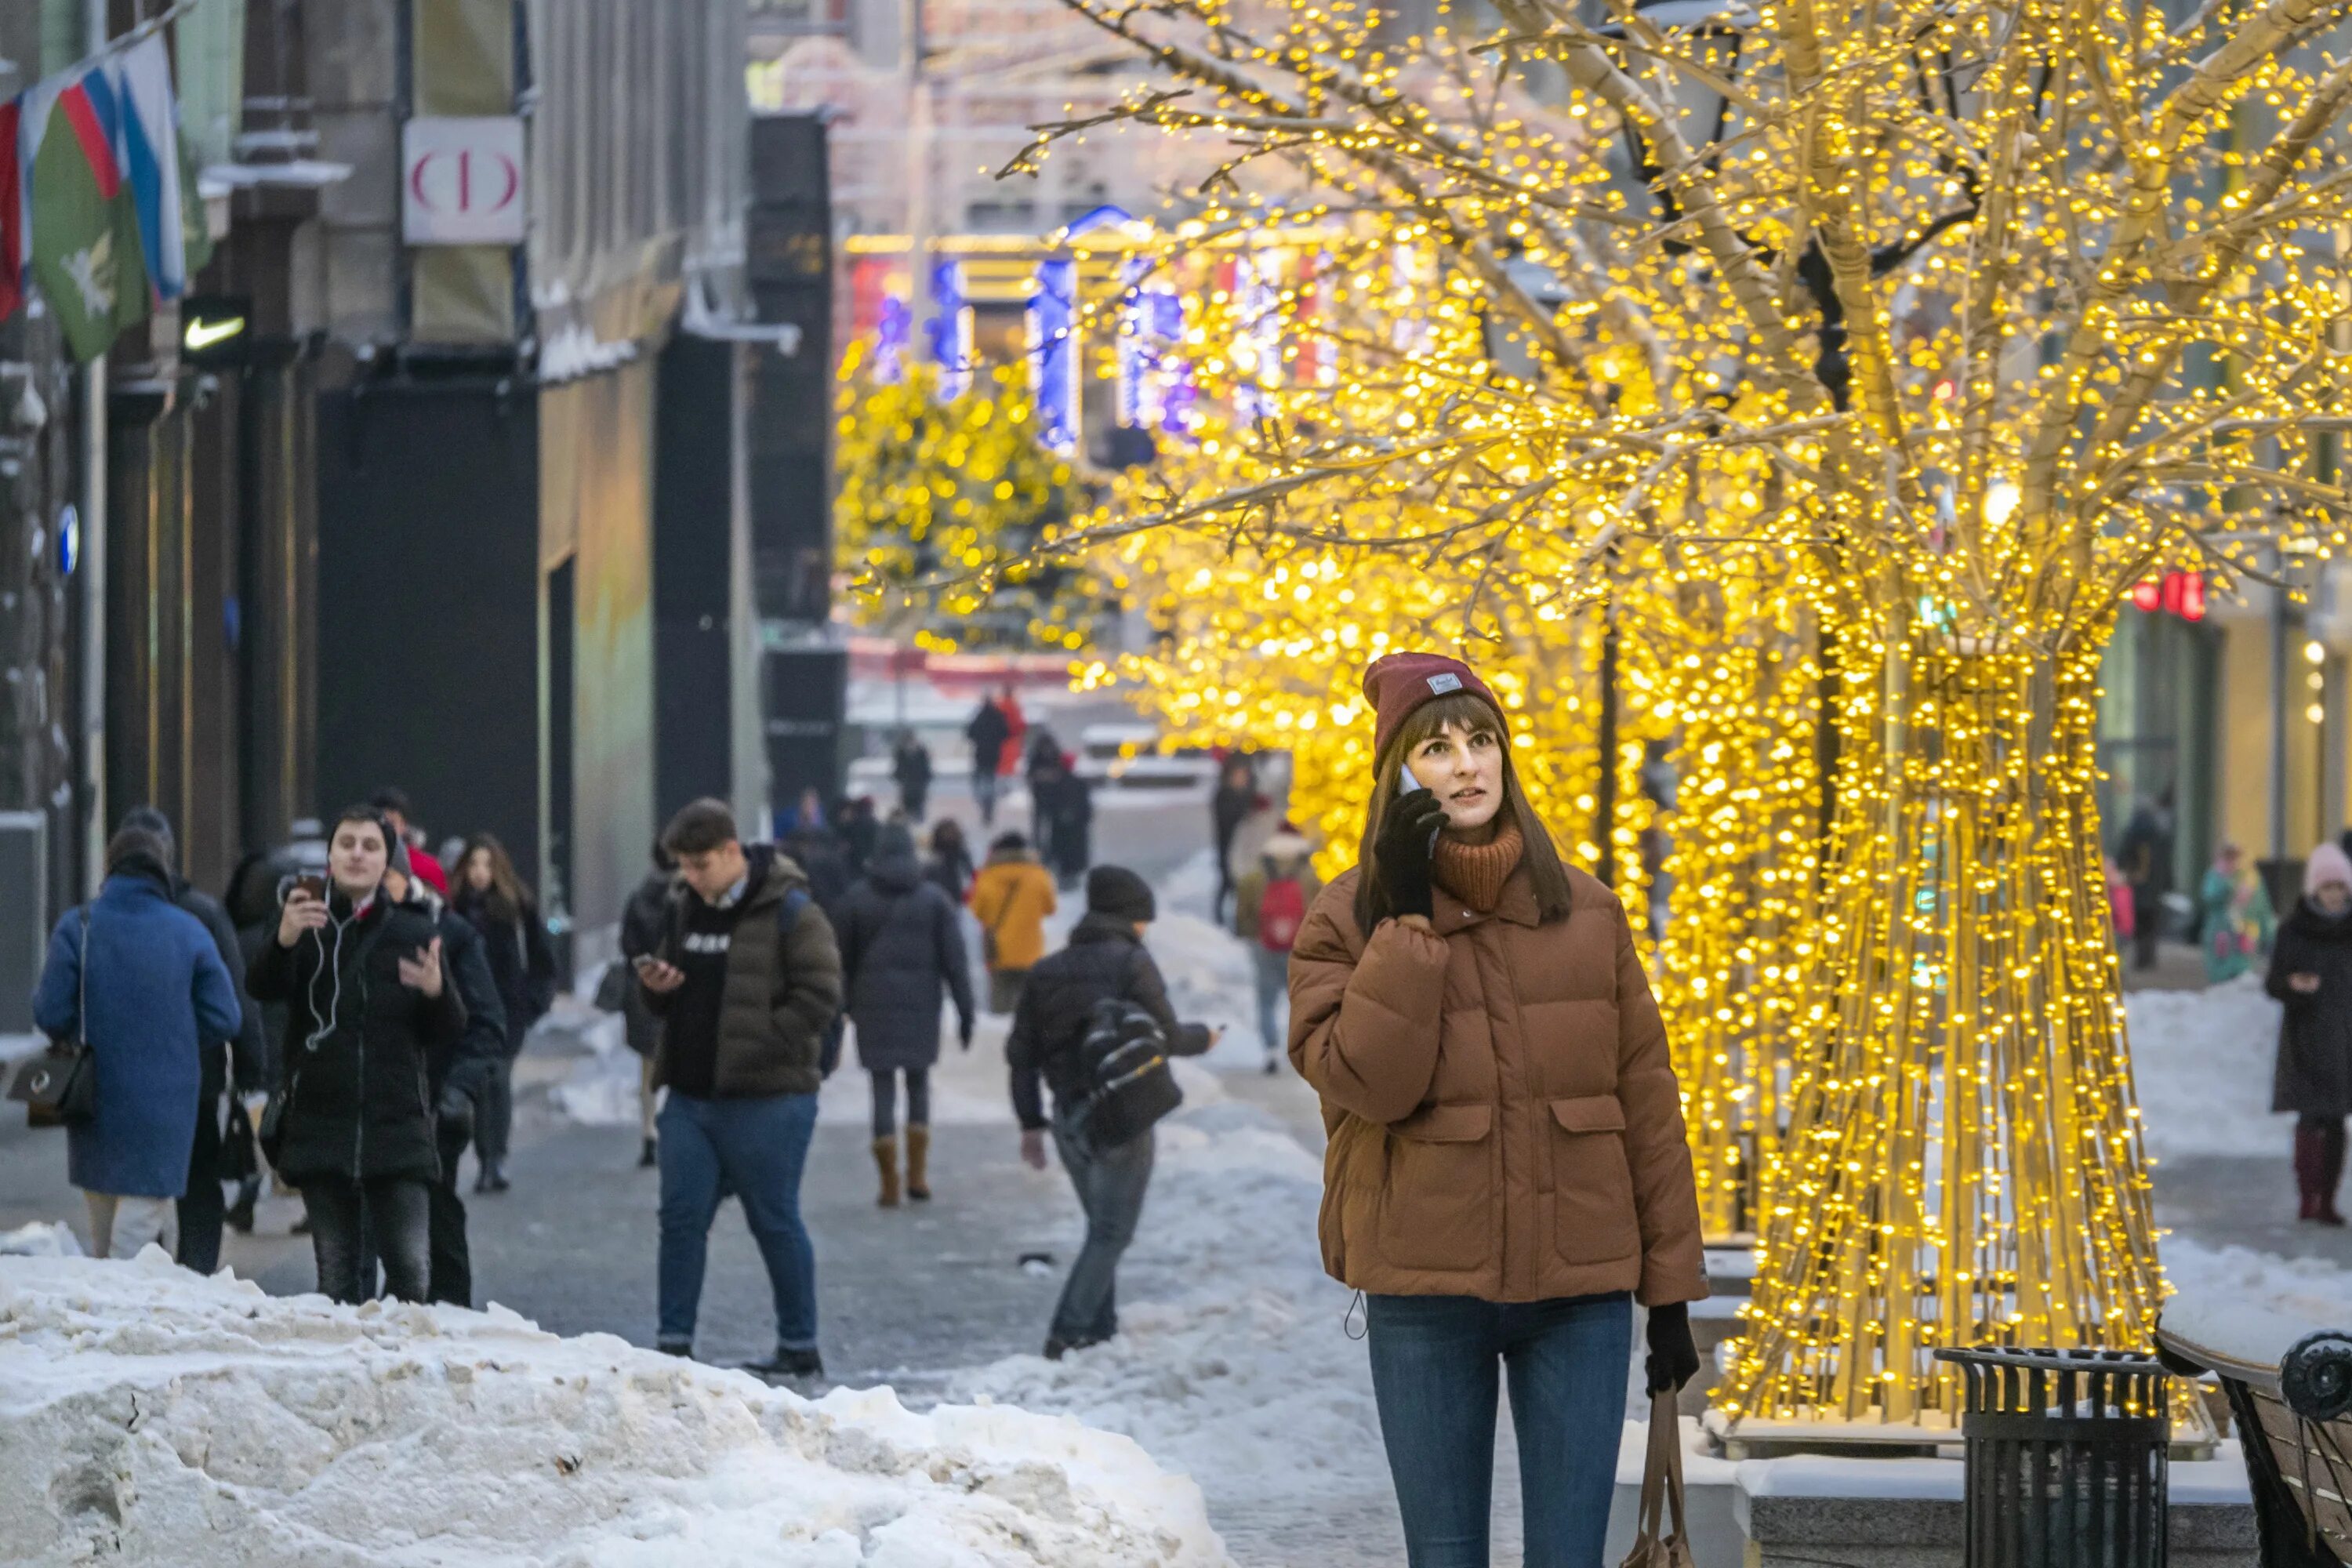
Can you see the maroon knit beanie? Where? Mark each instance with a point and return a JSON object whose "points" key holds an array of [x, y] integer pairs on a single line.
{"points": [[1400, 682]]}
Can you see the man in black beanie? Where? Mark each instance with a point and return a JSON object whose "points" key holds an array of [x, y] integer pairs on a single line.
{"points": [[1104, 960]]}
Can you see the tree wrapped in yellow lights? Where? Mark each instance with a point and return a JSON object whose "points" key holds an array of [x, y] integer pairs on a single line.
{"points": [[927, 487], [2016, 304]]}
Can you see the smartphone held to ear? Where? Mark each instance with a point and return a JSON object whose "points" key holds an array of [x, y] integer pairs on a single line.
{"points": [[1406, 783]]}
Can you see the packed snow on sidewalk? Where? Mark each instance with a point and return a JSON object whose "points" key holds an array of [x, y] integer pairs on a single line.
{"points": [[151, 1417], [2203, 1062]]}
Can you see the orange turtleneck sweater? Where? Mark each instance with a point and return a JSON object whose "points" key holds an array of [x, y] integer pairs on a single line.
{"points": [[1475, 873]]}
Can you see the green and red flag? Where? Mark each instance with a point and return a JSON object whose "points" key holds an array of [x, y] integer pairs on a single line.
{"points": [[83, 244]]}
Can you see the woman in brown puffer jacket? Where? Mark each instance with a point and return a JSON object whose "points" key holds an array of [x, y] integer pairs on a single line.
{"points": [[1508, 1168]]}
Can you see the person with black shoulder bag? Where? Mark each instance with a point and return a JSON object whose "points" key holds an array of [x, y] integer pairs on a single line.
{"points": [[125, 1074], [1094, 1024]]}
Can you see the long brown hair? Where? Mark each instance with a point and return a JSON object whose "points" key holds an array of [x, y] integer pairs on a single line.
{"points": [[506, 899], [1470, 715]]}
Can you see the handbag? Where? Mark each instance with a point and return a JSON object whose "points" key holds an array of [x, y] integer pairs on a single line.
{"points": [[613, 985], [60, 1085], [1661, 1494], [987, 935]]}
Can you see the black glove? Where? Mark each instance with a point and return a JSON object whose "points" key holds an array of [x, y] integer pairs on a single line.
{"points": [[1674, 1354], [964, 1032], [1404, 847]]}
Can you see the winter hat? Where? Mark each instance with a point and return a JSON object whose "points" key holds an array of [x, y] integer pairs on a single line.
{"points": [[2328, 864], [1287, 843], [1121, 894], [147, 819], [136, 852], [1398, 683], [894, 843]]}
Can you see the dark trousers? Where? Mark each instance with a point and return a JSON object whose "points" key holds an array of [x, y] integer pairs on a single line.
{"points": [[390, 1215], [1434, 1364], [1224, 881], [1111, 1187], [451, 1261], [914, 797], [201, 1206], [755, 1149], [886, 1098], [493, 1111], [2148, 926]]}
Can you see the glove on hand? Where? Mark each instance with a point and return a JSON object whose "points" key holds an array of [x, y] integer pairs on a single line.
{"points": [[1674, 1354], [1404, 845]]}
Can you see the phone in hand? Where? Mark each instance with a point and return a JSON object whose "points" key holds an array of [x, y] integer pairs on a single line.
{"points": [[643, 962], [312, 883], [1406, 783]]}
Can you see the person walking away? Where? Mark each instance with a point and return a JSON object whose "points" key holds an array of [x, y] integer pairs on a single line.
{"points": [[1235, 798], [1011, 899], [455, 1073], [641, 933], [901, 951], [2145, 856], [241, 1059], [989, 730], [1508, 1168], [2234, 916], [858, 830], [498, 905], [818, 853], [1105, 961], [1270, 904], [1066, 804], [911, 766], [140, 983], [2311, 975], [1041, 760], [369, 1003], [746, 980], [949, 866], [392, 805], [808, 817]]}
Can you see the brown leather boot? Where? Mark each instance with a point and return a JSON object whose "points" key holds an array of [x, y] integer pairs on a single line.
{"points": [[886, 1158], [2308, 1158], [918, 1161]]}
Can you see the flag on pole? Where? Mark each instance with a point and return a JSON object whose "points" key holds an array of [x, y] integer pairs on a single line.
{"points": [[12, 211], [149, 145], [85, 249]]}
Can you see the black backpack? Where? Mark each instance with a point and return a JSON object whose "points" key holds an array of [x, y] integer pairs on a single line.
{"points": [[1130, 1084]]}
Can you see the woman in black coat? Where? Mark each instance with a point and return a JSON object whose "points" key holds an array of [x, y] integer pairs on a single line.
{"points": [[493, 898], [901, 947], [368, 1008], [2311, 973]]}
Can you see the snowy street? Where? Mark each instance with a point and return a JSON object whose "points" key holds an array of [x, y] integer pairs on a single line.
{"points": [[1235, 1364]]}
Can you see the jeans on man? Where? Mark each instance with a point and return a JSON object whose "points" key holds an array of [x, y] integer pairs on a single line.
{"points": [[451, 1269], [1272, 974], [983, 792], [201, 1205], [1435, 1360], [386, 1217], [756, 1149], [1110, 1187]]}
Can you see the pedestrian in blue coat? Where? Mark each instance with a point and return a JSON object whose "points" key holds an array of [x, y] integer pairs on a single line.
{"points": [[156, 986]]}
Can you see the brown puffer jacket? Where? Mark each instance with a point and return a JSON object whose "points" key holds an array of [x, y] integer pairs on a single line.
{"points": [[1504, 1119]]}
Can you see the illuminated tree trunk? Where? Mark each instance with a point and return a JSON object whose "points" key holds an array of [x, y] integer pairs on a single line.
{"points": [[1963, 1163], [1742, 869]]}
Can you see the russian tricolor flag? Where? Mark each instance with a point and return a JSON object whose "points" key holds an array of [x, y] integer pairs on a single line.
{"points": [[148, 138]]}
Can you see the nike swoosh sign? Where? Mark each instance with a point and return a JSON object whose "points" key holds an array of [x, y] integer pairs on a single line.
{"points": [[205, 335]]}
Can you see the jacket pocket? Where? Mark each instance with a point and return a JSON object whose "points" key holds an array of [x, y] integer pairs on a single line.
{"points": [[1592, 1185], [1436, 1194]]}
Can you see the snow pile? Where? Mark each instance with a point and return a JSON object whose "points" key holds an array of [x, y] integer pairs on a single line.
{"points": [[2310, 1289], [147, 1416], [1233, 1360], [2203, 1062], [40, 1239]]}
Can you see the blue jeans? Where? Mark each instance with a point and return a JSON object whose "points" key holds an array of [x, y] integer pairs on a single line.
{"points": [[1110, 1186], [758, 1147], [1433, 1378], [1273, 973]]}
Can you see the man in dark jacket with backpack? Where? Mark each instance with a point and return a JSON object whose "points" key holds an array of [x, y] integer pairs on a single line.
{"points": [[1105, 961]]}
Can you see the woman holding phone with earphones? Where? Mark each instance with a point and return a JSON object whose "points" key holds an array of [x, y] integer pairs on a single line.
{"points": [[367, 1005], [1508, 1172]]}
